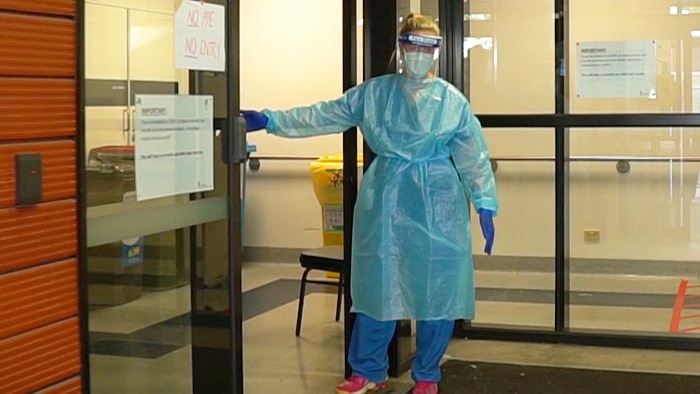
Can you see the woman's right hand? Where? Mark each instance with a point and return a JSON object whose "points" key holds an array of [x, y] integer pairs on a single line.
{"points": [[254, 120]]}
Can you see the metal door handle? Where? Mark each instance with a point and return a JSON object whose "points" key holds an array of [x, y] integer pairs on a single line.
{"points": [[125, 120], [239, 150], [133, 123], [234, 142]]}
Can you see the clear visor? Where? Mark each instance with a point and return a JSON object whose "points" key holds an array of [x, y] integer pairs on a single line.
{"points": [[418, 55]]}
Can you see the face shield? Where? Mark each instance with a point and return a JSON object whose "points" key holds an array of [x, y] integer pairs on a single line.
{"points": [[418, 55]]}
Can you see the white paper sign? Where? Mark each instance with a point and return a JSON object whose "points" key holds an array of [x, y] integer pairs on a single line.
{"points": [[174, 145], [334, 218], [200, 36], [616, 69]]}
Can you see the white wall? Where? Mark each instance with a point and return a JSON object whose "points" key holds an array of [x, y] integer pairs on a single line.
{"points": [[291, 55]]}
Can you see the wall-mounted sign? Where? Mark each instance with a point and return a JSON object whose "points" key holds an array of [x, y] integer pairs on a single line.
{"points": [[200, 36], [616, 69], [174, 151]]}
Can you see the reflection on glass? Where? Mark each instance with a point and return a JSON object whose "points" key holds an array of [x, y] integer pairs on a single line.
{"points": [[669, 66], [633, 220], [138, 283], [509, 56], [485, 43], [519, 275], [139, 296]]}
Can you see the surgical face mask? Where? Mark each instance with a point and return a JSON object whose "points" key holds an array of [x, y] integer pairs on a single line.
{"points": [[418, 64]]}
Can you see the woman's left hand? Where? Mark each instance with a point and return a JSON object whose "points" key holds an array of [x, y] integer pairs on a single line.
{"points": [[487, 228]]}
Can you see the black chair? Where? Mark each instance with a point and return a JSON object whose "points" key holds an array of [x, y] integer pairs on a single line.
{"points": [[329, 259]]}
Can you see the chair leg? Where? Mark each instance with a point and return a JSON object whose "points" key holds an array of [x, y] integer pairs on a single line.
{"points": [[302, 294], [340, 298]]}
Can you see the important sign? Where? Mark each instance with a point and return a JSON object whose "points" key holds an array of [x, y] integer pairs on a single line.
{"points": [[616, 69], [174, 145], [200, 36]]}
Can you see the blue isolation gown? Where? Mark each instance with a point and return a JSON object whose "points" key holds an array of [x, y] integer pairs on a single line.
{"points": [[411, 252]]}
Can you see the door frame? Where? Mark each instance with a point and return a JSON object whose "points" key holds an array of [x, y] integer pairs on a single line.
{"points": [[235, 246], [81, 162], [218, 366]]}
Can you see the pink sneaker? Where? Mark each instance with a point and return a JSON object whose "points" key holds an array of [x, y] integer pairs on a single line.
{"points": [[358, 385], [426, 388]]}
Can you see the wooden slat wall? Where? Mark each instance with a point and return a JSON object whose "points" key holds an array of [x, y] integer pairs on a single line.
{"points": [[55, 96], [40, 358], [37, 45], [50, 290], [72, 386], [40, 346], [44, 7]]}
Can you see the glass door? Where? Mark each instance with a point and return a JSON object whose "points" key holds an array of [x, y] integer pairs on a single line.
{"points": [[163, 203]]}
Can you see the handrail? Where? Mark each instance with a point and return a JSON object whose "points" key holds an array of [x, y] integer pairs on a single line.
{"points": [[285, 157], [254, 161], [623, 162], [515, 158], [622, 167], [598, 158]]}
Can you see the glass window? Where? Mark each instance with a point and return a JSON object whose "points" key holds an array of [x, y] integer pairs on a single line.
{"points": [[509, 56], [634, 209], [642, 56], [520, 271]]}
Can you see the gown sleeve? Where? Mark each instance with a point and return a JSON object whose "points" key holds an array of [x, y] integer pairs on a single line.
{"points": [[327, 117], [472, 160]]}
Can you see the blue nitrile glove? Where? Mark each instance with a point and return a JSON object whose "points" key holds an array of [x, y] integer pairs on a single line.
{"points": [[486, 221], [254, 120]]}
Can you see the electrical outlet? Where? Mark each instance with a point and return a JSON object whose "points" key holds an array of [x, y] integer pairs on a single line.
{"points": [[591, 235]]}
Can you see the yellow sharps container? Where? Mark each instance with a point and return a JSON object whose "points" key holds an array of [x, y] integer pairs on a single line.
{"points": [[327, 178]]}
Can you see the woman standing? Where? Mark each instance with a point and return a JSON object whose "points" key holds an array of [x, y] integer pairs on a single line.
{"points": [[411, 252]]}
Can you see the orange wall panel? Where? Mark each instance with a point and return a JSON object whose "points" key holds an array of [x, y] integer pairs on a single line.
{"points": [[37, 46], [40, 344], [37, 108], [39, 358], [38, 296], [38, 234], [56, 7], [58, 167], [72, 386]]}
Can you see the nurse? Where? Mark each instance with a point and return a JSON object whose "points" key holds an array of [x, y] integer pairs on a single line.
{"points": [[411, 252]]}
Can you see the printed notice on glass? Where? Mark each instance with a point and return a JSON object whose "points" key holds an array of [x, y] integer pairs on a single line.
{"points": [[174, 145], [200, 36], [616, 69]]}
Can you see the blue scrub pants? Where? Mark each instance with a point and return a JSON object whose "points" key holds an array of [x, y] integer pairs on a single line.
{"points": [[370, 341]]}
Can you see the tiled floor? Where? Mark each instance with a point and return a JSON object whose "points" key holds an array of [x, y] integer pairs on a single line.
{"points": [[142, 347]]}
